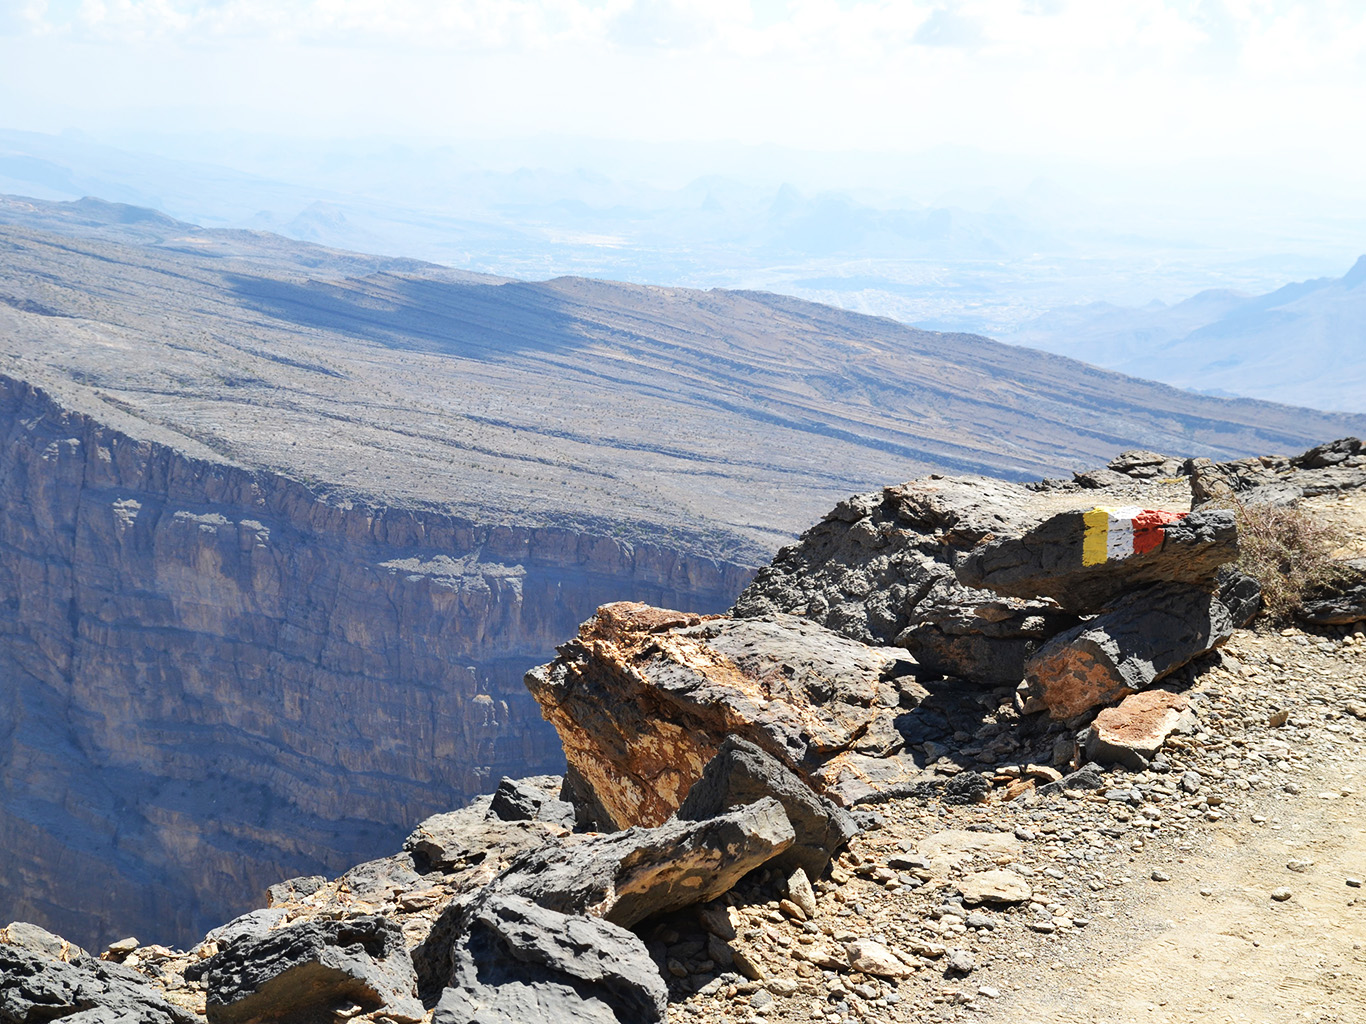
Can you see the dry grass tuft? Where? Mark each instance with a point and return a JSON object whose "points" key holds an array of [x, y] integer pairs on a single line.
{"points": [[1285, 549]]}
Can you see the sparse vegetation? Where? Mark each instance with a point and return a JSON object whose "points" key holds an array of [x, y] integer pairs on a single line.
{"points": [[1285, 549]]}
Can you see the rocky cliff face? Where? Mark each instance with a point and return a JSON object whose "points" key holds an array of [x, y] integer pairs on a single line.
{"points": [[213, 679]]}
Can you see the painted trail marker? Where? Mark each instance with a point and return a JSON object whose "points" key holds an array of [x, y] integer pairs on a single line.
{"points": [[1114, 533]]}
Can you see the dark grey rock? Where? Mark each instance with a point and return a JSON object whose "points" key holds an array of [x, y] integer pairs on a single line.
{"points": [[381, 878], [518, 962], [742, 773], [1046, 561], [1138, 464], [305, 972], [865, 568], [1149, 633], [1340, 601], [533, 799], [251, 925], [35, 988], [627, 876], [476, 840]]}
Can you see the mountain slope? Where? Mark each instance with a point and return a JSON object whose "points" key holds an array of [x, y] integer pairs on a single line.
{"points": [[1303, 343], [281, 526]]}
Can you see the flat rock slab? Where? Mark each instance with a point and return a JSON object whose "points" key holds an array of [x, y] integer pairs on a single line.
{"points": [[627, 876], [643, 698], [946, 850], [1134, 731], [307, 972], [995, 887], [1084, 560]]}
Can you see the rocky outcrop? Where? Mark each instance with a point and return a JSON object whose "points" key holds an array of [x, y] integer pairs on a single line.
{"points": [[1326, 469], [36, 986], [214, 677], [311, 971]]}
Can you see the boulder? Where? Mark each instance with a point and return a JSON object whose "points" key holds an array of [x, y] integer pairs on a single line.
{"points": [[1341, 600], [532, 799], [519, 962], [1149, 633], [741, 773], [36, 987], [625, 877], [307, 972], [1132, 733], [866, 567], [643, 698], [1084, 560], [622, 877]]}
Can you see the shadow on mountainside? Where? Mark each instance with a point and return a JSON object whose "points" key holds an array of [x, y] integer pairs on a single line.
{"points": [[473, 321]]}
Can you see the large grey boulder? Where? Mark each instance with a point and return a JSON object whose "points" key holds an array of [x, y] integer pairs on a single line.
{"points": [[1149, 633], [35, 987], [742, 773], [306, 972], [519, 962], [1085, 559]]}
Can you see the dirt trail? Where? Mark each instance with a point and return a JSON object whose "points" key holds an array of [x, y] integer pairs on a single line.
{"points": [[1176, 954]]}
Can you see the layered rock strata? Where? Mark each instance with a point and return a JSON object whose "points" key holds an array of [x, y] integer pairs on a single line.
{"points": [[214, 678]]}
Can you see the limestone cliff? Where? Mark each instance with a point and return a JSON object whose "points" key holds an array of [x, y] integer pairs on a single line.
{"points": [[212, 678]]}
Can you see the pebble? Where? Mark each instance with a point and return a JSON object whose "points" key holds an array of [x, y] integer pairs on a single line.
{"points": [[961, 961], [1160, 876], [1281, 895], [1355, 883]]}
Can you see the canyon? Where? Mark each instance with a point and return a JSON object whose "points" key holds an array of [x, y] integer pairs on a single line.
{"points": [[281, 528]]}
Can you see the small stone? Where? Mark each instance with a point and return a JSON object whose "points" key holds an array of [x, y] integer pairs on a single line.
{"points": [[782, 986], [995, 887], [792, 910], [761, 1000], [960, 961], [716, 918], [988, 991], [1160, 876], [1355, 883], [1293, 788], [745, 966], [1299, 866], [677, 969], [1278, 718], [1280, 895], [799, 891], [869, 957]]}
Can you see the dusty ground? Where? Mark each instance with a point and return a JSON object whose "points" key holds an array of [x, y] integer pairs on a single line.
{"points": [[1156, 909]]}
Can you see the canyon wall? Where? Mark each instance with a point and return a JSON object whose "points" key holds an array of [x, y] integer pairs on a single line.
{"points": [[212, 679]]}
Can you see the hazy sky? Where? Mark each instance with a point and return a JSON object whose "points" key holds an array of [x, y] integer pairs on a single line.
{"points": [[1121, 82]]}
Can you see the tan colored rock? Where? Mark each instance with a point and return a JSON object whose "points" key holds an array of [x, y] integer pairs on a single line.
{"points": [[945, 850], [995, 887], [869, 957], [643, 698], [1138, 726]]}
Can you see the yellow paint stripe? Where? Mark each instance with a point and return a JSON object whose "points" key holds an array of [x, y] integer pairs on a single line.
{"points": [[1094, 539]]}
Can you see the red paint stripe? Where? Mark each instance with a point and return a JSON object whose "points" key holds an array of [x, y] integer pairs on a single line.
{"points": [[1148, 535]]}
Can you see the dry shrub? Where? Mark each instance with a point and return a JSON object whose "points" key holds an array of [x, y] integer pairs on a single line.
{"points": [[1286, 550]]}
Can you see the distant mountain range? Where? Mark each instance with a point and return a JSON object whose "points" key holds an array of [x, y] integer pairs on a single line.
{"points": [[1304, 344]]}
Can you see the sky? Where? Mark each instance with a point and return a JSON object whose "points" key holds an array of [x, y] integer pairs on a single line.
{"points": [[1273, 87]]}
